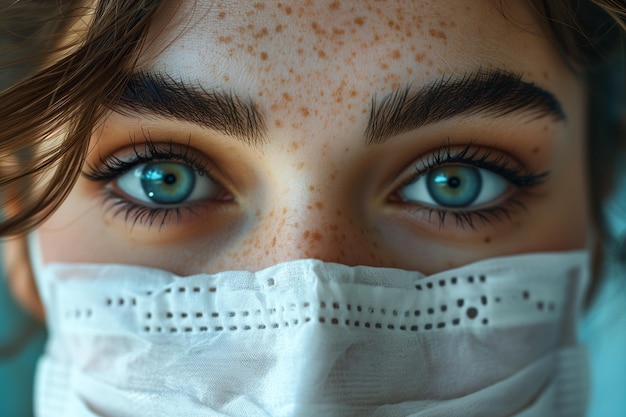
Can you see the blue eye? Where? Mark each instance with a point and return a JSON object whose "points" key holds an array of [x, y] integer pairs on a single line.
{"points": [[455, 186], [166, 183]]}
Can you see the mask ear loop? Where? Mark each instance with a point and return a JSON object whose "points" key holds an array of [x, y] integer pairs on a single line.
{"points": [[37, 268], [34, 255]]}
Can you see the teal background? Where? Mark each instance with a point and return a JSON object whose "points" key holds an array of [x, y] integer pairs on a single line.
{"points": [[21, 343]]}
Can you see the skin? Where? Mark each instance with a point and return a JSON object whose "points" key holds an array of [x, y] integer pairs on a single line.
{"points": [[313, 189]]}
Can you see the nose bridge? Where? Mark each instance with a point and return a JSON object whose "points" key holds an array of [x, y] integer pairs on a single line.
{"points": [[315, 222], [319, 225]]}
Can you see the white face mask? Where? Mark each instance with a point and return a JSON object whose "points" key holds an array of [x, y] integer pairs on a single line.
{"points": [[306, 338]]}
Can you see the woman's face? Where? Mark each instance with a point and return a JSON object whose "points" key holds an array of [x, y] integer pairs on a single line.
{"points": [[421, 135]]}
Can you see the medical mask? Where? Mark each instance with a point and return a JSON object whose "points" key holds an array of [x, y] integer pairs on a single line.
{"points": [[495, 338]]}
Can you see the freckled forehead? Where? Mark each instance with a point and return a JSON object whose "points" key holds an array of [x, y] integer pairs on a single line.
{"points": [[327, 58], [385, 39]]}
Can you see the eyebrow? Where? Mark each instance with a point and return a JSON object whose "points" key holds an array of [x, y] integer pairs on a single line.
{"points": [[164, 96], [494, 92]]}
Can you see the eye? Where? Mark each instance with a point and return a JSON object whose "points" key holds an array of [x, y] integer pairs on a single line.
{"points": [[455, 186], [166, 183]]}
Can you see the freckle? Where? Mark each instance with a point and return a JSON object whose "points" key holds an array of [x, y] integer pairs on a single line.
{"points": [[221, 15], [321, 54], [279, 28], [338, 212], [226, 78], [337, 31], [311, 187], [384, 66], [535, 150], [300, 165], [263, 56], [487, 239], [300, 51], [250, 49], [420, 57], [438, 34], [304, 111], [306, 235], [359, 21], [288, 10], [334, 5], [259, 6], [396, 54], [317, 236], [261, 34], [226, 39], [319, 205], [545, 75], [286, 96]]}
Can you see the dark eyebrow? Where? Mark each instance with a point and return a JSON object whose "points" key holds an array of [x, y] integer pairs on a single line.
{"points": [[493, 92], [164, 96]]}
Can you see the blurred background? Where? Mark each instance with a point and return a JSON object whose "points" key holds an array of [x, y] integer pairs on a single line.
{"points": [[21, 343]]}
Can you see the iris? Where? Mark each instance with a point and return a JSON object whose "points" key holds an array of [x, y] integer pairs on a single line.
{"points": [[454, 186], [167, 182]]}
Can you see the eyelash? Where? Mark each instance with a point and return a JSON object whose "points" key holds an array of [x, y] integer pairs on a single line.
{"points": [[133, 213], [478, 157], [472, 155]]}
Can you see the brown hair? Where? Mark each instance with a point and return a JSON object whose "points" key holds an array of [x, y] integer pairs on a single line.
{"points": [[65, 95], [76, 80]]}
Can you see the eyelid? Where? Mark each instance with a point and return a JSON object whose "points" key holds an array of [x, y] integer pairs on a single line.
{"points": [[523, 180], [136, 212], [471, 154], [149, 150]]}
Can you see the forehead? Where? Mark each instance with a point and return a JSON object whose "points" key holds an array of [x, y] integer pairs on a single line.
{"points": [[324, 37], [301, 57]]}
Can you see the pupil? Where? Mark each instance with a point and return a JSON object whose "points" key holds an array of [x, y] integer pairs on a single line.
{"points": [[169, 179], [454, 182]]}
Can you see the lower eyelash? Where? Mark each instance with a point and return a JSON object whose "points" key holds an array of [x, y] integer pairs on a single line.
{"points": [[134, 214], [468, 219]]}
